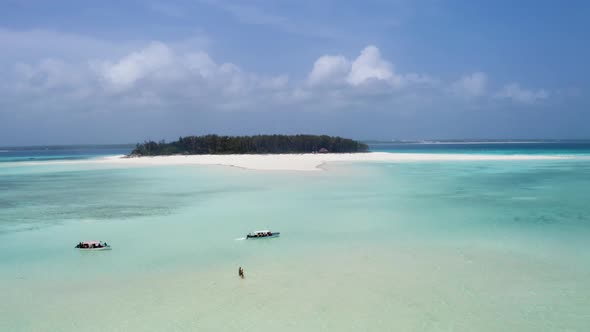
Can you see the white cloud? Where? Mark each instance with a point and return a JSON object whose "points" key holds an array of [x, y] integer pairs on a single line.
{"points": [[329, 69], [472, 85], [514, 92], [157, 75], [176, 76], [137, 65], [201, 63], [370, 66], [276, 82]]}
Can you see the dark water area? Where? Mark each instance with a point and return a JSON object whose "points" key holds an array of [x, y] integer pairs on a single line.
{"points": [[470, 147], [69, 152]]}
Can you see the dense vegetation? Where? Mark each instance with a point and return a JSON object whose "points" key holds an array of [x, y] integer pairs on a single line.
{"points": [[214, 144]]}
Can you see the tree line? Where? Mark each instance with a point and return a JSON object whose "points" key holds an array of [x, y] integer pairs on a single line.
{"points": [[259, 144]]}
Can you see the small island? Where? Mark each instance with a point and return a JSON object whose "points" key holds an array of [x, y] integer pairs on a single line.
{"points": [[258, 144]]}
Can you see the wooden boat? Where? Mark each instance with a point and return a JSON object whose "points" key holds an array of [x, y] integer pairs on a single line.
{"points": [[262, 234], [93, 246]]}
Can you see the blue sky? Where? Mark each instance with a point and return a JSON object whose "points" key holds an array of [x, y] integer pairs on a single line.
{"points": [[125, 71]]}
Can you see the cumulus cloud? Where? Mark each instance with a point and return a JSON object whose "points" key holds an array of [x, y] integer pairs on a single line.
{"points": [[137, 65], [472, 85], [159, 66], [329, 69], [369, 67], [172, 76], [156, 76], [514, 92], [201, 63]]}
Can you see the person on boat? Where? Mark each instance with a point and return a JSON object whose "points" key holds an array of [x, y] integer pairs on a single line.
{"points": [[241, 272]]}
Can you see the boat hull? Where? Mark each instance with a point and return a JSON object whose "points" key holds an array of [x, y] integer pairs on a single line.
{"points": [[250, 237], [94, 249]]}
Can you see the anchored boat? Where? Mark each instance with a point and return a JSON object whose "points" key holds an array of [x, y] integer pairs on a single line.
{"points": [[93, 245], [262, 234]]}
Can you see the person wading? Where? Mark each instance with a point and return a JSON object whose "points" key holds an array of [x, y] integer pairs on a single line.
{"points": [[241, 272]]}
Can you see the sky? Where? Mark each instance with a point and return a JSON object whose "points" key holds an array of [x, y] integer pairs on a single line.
{"points": [[100, 72]]}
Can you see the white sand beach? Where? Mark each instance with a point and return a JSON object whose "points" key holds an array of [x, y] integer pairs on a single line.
{"points": [[309, 162]]}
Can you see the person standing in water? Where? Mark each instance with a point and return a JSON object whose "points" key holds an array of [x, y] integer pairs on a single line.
{"points": [[241, 272]]}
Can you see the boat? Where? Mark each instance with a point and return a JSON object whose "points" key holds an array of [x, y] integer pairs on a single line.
{"points": [[262, 234], [93, 245]]}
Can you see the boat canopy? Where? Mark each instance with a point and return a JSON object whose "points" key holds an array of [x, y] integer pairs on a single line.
{"points": [[91, 242]]}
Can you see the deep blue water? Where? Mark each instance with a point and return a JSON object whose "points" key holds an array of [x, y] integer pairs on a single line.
{"points": [[40, 153], [517, 147]]}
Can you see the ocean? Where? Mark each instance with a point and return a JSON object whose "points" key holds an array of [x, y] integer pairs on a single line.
{"points": [[384, 246]]}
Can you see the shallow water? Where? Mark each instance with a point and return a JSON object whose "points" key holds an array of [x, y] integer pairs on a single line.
{"points": [[429, 246]]}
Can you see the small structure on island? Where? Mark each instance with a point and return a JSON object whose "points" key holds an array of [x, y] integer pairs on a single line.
{"points": [[323, 150]]}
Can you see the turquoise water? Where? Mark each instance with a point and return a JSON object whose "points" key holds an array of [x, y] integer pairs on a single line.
{"points": [[424, 246]]}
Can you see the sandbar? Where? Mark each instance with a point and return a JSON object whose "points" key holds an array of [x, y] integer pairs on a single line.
{"points": [[311, 162]]}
